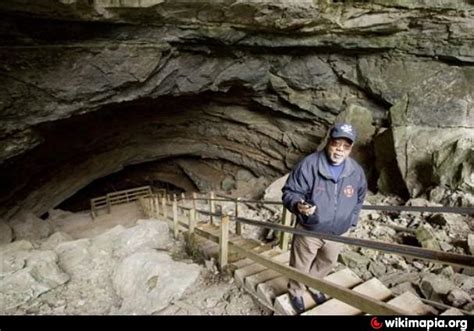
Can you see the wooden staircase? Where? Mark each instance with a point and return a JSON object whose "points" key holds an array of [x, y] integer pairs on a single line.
{"points": [[269, 288]]}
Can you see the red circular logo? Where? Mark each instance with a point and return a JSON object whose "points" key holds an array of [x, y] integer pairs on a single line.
{"points": [[375, 324], [348, 191]]}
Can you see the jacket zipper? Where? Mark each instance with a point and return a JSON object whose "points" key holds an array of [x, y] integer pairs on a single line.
{"points": [[335, 203]]}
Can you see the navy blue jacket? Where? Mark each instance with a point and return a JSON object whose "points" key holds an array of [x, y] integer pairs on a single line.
{"points": [[338, 203]]}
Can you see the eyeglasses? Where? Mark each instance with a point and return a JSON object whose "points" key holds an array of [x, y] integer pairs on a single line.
{"points": [[339, 144]]}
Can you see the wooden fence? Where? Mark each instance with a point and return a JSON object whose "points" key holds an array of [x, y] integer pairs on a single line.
{"points": [[119, 197]]}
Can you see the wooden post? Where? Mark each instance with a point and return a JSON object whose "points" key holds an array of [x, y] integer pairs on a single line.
{"points": [[175, 216], [238, 225], [212, 208], [142, 204], [285, 236], [157, 204], [165, 210], [193, 211], [92, 209], [224, 241], [109, 206], [192, 221], [153, 206]]}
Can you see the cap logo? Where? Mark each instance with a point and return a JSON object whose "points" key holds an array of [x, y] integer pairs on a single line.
{"points": [[347, 128]]}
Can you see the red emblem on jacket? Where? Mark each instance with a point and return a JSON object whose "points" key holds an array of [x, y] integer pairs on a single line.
{"points": [[348, 191]]}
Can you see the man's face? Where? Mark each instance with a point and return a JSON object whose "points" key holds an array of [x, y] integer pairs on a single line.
{"points": [[338, 150]]}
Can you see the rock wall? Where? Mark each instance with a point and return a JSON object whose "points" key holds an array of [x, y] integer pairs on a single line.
{"points": [[88, 88]]}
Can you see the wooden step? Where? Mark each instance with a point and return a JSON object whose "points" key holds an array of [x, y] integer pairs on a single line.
{"points": [[345, 278], [412, 304], [242, 273], [269, 290], [372, 288], [248, 244], [235, 264], [252, 281], [282, 305]]}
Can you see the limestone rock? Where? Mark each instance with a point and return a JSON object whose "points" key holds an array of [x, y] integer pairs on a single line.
{"points": [[6, 233], [458, 297], [147, 281], [354, 260], [73, 255], [470, 243], [426, 237], [28, 226], [390, 179], [273, 192], [435, 287], [377, 268], [452, 312], [54, 240], [199, 69], [147, 234], [36, 274], [454, 164]]}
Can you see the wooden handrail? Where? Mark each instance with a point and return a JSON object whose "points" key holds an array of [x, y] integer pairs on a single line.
{"points": [[358, 300], [118, 197]]}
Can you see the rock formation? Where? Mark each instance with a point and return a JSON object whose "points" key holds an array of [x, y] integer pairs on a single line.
{"points": [[217, 95]]}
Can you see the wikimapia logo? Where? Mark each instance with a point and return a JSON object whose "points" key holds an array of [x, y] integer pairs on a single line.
{"points": [[427, 324], [375, 324]]}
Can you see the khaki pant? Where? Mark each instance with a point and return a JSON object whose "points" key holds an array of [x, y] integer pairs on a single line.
{"points": [[311, 255]]}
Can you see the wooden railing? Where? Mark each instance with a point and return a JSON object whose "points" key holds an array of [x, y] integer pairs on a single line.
{"points": [[156, 205], [119, 197]]}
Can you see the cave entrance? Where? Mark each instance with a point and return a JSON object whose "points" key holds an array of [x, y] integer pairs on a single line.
{"points": [[130, 177]]}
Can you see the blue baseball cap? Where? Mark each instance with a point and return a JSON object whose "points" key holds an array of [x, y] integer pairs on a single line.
{"points": [[343, 130]]}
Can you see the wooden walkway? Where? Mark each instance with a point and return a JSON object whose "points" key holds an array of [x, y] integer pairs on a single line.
{"points": [[269, 288], [263, 271]]}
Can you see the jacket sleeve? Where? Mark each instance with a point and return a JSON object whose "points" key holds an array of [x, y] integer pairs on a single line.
{"points": [[361, 192], [297, 185]]}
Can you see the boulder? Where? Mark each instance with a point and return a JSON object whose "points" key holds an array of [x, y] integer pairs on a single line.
{"points": [[435, 287], [32, 273], [6, 233], [452, 312], [55, 239], [377, 268], [453, 164], [273, 192], [28, 226], [418, 134], [458, 297], [149, 280], [470, 243], [228, 183], [354, 260], [404, 287], [390, 179], [426, 237], [399, 277], [151, 234]]}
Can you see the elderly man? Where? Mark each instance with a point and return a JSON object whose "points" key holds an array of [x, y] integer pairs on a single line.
{"points": [[325, 191]]}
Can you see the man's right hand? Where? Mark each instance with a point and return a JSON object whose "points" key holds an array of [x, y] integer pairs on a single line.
{"points": [[305, 208]]}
